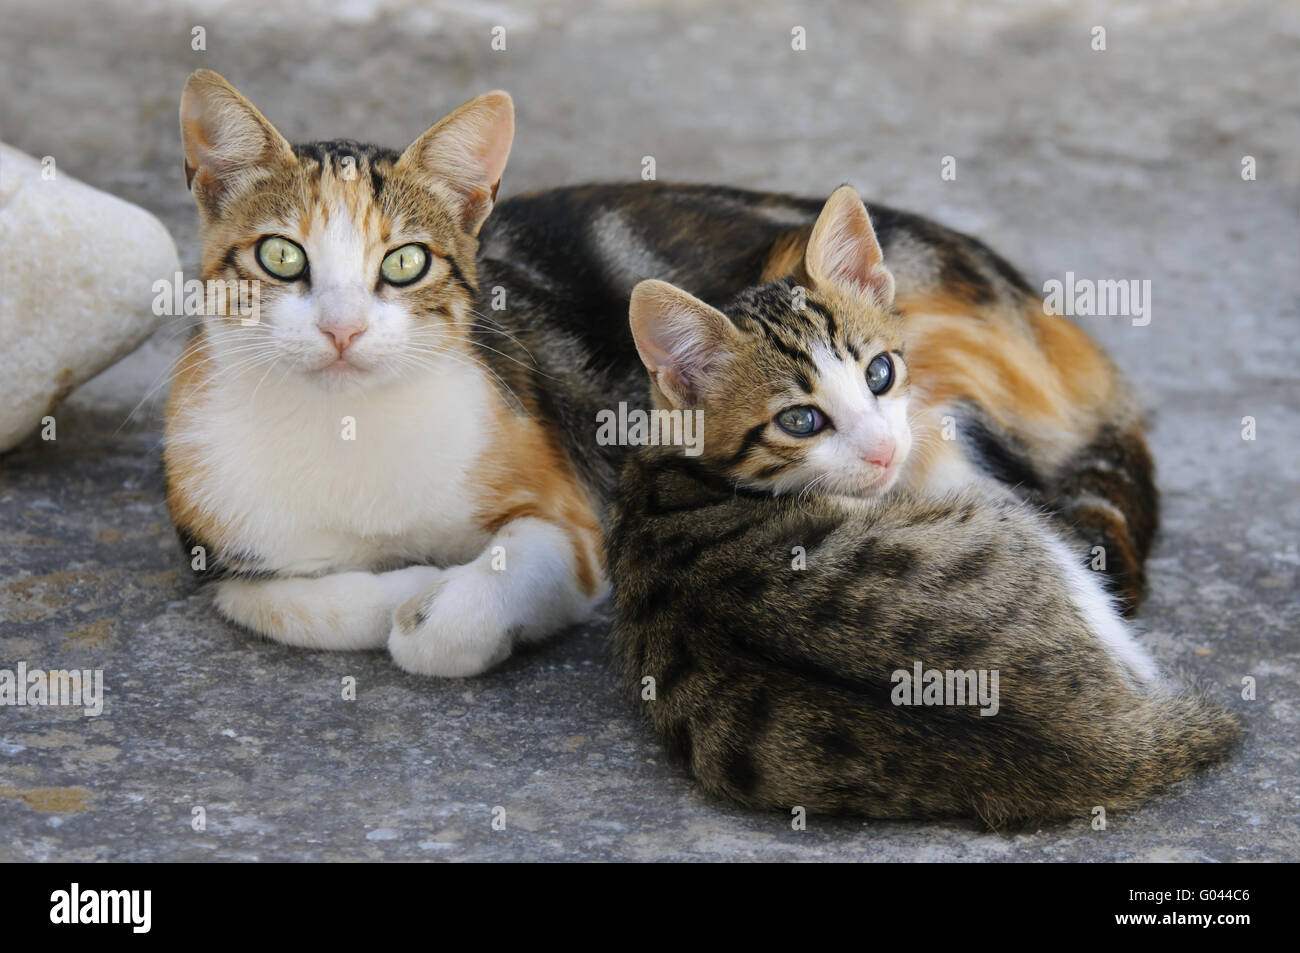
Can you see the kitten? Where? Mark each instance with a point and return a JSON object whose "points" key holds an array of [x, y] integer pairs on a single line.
{"points": [[349, 470], [773, 609], [1005, 398]]}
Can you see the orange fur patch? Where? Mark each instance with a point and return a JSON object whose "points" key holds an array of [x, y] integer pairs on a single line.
{"points": [[1085, 373], [1049, 374], [184, 469], [1036, 375], [526, 473], [785, 259]]}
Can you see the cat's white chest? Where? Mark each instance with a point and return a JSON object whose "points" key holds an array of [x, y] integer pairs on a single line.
{"points": [[316, 482]]}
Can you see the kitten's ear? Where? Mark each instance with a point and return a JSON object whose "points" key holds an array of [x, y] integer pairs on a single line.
{"points": [[682, 341], [843, 248], [227, 141], [466, 152]]}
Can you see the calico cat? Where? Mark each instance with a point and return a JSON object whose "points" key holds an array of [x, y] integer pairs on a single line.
{"points": [[774, 608], [349, 470], [1005, 396]]}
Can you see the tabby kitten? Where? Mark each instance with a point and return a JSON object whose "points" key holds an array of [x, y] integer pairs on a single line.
{"points": [[773, 611], [348, 469], [1005, 398]]}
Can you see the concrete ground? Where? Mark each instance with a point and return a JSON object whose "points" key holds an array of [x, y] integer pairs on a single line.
{"points": [[1122, 163]]}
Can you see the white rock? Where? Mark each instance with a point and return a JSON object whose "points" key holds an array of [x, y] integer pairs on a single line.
{"points": [[77, 267]]}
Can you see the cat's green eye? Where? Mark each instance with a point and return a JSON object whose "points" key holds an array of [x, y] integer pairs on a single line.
{"points": [[282, 258], [880, 374], [403, 265], [801, 421]]}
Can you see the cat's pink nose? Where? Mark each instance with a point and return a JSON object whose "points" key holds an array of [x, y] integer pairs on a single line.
{"points": [[343, 334], [882, 455]]}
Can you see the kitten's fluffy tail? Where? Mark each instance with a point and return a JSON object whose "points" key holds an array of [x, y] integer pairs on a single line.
{"points": [[833, 753], [1168, 738], [1190, 732]]}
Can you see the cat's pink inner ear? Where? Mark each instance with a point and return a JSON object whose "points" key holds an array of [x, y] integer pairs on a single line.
{"points": [[682, 341], [223, 135], [843, 248], [467, 151]]}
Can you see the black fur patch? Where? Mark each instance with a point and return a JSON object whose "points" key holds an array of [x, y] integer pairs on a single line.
{"points": [[998, 455]]}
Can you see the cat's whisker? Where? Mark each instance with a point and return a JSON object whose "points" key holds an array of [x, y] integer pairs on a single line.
{"points": [[806, 491], [533, 368], [160, 380], [183, 401], [494, 327], [470, 361], [190, 348], [270, 367]]}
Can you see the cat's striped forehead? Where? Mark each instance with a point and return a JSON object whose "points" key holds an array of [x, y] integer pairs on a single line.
{"points": [[338, 165], [805, 327], [343, 184], [365, 182], [339, 184]]}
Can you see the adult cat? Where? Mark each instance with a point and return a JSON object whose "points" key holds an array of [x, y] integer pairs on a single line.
{"points": [[348, 469]]}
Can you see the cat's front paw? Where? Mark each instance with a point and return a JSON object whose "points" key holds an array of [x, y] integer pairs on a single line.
{"points": [[453, 629]]}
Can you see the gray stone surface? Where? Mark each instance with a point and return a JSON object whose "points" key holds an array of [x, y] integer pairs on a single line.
{"points": [[1122, 164]]}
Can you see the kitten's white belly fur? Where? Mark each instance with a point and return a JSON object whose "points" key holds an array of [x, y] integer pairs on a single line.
{"points": [[950, 474], [306, 500]]}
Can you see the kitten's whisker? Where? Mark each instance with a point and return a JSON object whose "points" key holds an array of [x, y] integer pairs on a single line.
{"points": [[805, 493]]}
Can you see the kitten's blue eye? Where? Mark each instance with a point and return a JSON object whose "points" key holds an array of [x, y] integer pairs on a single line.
{"points": [[282, 258], [880, 374], [801, 421]]}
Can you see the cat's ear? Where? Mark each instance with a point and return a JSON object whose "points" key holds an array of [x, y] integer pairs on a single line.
{"points": [[682, 341], [843, 248], [226, 140], [466, 152]]}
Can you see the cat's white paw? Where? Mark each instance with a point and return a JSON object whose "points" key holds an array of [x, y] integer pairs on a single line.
{"points": [[454, 629], [347, 610]]}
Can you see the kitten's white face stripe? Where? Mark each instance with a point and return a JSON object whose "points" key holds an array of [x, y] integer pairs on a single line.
{"points": [[865, 426]]}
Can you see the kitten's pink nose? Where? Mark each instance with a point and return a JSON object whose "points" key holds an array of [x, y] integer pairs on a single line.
{"points": [[882, 454], [343, 334]]}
